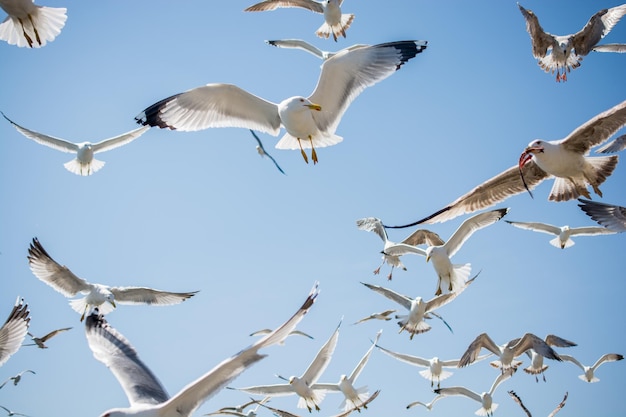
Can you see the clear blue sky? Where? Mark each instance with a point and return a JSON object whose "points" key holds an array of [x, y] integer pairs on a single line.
{"points": [[203, 211]]}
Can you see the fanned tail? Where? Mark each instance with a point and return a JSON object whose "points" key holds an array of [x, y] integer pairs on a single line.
{"points": [[76, 167], [339, 29], [48, 22]]}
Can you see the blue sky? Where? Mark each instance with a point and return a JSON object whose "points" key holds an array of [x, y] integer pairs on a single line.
{"points": [[185, 211]]}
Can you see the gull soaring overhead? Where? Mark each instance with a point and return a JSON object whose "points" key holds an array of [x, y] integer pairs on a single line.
{"points": [[335, 23], [17, 378], [302, 386], [84, 164], [536, 360], [566, 160], [62, 279], [561, 53], [14, 330], [589, 371], [309, 122], [563, 233], [146, 395], [28, 24], [40, 342], [608, 215], [392, 251], [518, 400], [354, 398], [507, 352], [383, 315]]}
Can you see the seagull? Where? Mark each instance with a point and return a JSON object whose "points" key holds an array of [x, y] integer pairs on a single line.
{"points": [[589, 371], [507, 352], [541, 160], [16, 378], [569, 50], [283, 413], [85, 164], [261, 150], [309, 122], [263, 332], [451, 277], [12, 413], [616, 145], [14, 330], [302, 386], [414, 323], [28, 24], [518, 400], [146, 395], [429, 405], [563, 233], [102, 296], [305, 46], [355, 398], [392, 251], [40, 341], [383, 315], [435, 365], [608, 215], [335, 23], [536, 360], [485, 399]]}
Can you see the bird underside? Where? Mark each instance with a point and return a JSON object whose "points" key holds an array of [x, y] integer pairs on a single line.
{"points": [[336, 30]]}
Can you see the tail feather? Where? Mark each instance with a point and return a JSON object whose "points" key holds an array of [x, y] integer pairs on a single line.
{"points": [[556, 242], [48, 22], [290, 142], [339, 29], [76, 167], [348, 404]]}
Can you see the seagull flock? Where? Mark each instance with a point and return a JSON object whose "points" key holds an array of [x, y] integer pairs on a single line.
{"points": [[310, 122]]}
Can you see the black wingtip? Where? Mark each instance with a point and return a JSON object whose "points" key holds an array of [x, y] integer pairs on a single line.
{"points": [[424, 220]]}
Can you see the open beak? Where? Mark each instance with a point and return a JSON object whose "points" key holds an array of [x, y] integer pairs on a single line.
{"points": [[313, 106]]}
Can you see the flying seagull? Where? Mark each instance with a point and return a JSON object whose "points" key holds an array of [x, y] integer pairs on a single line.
{"points": [[84, 164], [14, 330], [383, 315], [239, 410], [536, 360], [392, 251], [62, 279], [567, 51], [11, 412], [309, 122], [566, 160], [282, 413], [563, 233], [40, 342], [296, 332], [429, 406], [485, 398], [354, 398], [507, 352], [589, 371], [608, 215], [16, 378], [146, 395], [261, 150], [303, 385], [28, 24], [518, 400], [305, 46], [335, 23], [434, 366]]}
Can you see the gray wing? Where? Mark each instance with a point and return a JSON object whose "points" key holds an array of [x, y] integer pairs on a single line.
{"points": [[424, 237], [345, 75], [120, 140], [372, 224], [540, 40], [213, 105], [112, 349], [410, 359], [197, 392], [143, 295], [591, 231], [597, 28], [537, 227], [49, 141], [471, 354], [471, 225], [553, 340], [268, 5], [531, 341], [14, 330], [54, 333], [558, 407], [359, 367], [403, 300], [49, 271], [322, 359], [597, 130], [363, 404], [613, 146], [608, 215], [495, 190], [609, 357]]}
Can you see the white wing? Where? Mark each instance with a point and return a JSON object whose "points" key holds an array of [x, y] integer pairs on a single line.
{"points": [[117, 141], [372, 224], [412, 360], [300, 44], [608, 215], [50, 141], [615, 145], [142, 295], [619, 48], [268, 5], [591, 231], [537, 227], [598, 26], [403, 300], [597, 130], [14, 330], [322, 359], [469, 226], [359, 367]]}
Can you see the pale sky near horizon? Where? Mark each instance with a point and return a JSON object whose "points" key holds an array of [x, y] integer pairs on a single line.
{"points": [[202, 211]]}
